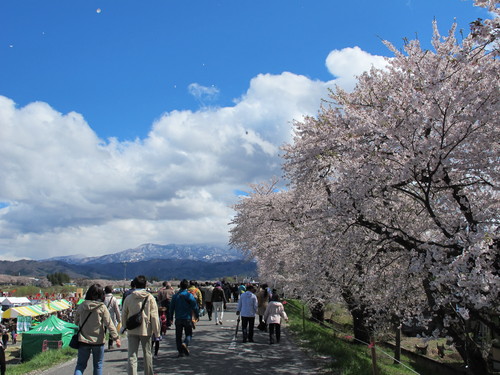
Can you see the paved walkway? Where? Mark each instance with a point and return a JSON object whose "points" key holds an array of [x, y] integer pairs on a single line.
{"points": [[214, 350]]}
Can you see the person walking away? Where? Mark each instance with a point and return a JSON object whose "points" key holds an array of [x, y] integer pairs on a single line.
{"points": [[155, 345], [165, 296], [193, 289], [155, 341], [128, 292], [5, 338], [219, 302], [273, 315], [14, 336], [184, 307], [114, 310], [163, 321], [150, 325], [3, 365], [227, 290], [235, 292], [93, 318], [209, 288], [247, 308], [262, 300], [242, 288]]}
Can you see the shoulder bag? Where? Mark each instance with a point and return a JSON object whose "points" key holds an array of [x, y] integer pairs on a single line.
{"points": [[135, 320], [74, 343]]}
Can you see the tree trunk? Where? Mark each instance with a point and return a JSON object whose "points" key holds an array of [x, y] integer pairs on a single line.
{"points": [[361, 332], [470, 353], [317, 308], [466, 347], [397, 348]]}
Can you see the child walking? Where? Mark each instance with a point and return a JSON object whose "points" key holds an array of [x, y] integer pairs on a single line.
{"points": [[273, 315]]}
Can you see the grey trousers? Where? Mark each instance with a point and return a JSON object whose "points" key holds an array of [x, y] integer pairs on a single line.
{"points": [[133, 349]]}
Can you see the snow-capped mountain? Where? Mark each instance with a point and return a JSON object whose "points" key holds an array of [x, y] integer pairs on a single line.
{"points": [[205, 253]]}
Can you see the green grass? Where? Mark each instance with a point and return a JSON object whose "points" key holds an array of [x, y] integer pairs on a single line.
{"points": [[347, 358], [42, 361]]}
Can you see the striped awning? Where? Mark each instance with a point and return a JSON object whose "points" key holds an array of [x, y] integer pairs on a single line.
{"points": [[60, 304], [35, 310]]}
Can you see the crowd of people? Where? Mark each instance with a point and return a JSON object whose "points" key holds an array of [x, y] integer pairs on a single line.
{"points": [[171, 308], [101, 319]]}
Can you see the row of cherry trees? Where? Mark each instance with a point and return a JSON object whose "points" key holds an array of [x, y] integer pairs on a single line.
{"points": [[393, 203]]}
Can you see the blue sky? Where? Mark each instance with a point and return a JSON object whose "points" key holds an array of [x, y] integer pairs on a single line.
{"points": [[125, 122]]}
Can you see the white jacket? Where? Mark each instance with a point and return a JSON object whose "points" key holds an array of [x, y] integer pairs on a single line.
{"points": [[274, 312]]}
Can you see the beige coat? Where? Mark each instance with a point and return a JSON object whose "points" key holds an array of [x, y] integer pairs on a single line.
{"points": [[151, 319], [263, 300], [93, 331]]}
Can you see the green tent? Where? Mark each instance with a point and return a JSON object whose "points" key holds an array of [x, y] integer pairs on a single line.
{"points": [[51, 329]]}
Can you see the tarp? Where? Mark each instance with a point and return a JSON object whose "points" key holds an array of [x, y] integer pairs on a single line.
{"points": [[33, 310], [16, 301], [52, 329], [40, 309], [60, 304]]}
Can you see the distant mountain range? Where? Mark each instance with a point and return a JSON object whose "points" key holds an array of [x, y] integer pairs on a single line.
{"points": [[149, 251], [162, 261]]}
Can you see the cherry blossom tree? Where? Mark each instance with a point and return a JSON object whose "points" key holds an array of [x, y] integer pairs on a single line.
{"points": [[487, 32], [296, 242], [412, 155], [393, 190]]}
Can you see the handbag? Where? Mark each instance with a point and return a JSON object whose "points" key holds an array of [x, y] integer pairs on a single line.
{"points": [[135, 320], [74, 343]]}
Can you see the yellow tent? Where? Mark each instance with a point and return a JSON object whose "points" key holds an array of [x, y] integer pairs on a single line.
{"points": [[35, 310], [13, 312], [60, 304]]}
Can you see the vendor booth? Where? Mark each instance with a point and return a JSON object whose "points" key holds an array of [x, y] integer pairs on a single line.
{"points": [[24, 314], [35, 310], [8, 302], [51, 329]]}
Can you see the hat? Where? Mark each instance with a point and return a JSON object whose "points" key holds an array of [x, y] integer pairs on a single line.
{"points": [[218, 283]]}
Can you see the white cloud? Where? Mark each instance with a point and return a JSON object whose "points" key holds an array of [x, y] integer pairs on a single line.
{"points": [[348, 63], [63, 190], [203, 93]]}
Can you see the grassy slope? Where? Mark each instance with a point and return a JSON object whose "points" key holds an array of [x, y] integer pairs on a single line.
{"points": [[347, 357]]}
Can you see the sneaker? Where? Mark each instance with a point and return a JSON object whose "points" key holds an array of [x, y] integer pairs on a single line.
{"points": [[180, 355], [216, 323], [185, 349], [220, 322]]}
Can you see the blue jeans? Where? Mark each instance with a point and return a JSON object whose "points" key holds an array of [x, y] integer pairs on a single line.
{"points": [[186, 325], [84, 351]]}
